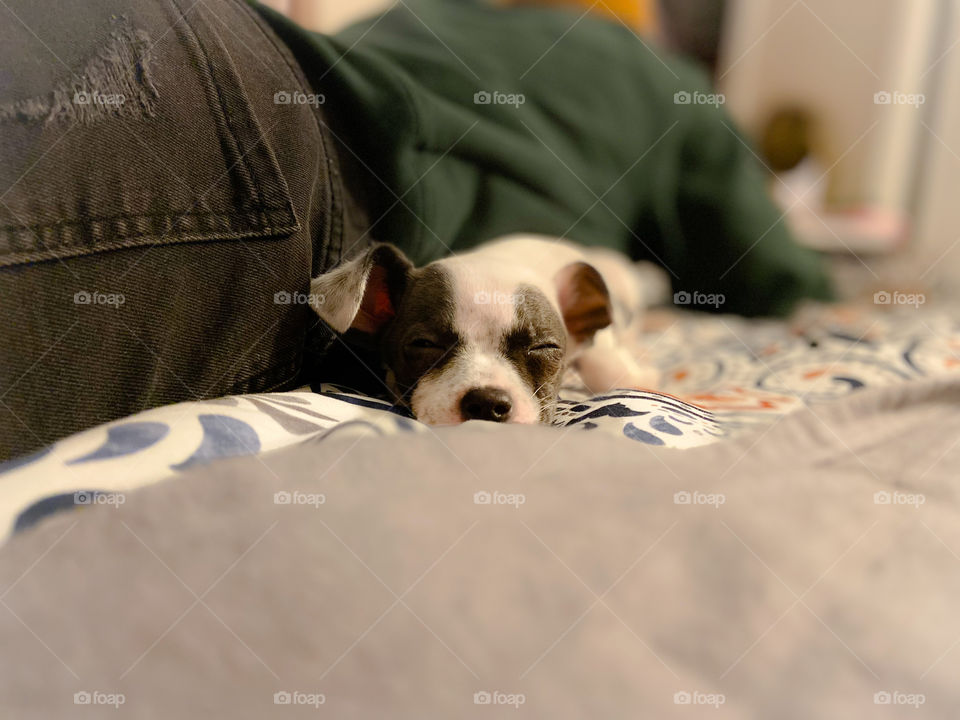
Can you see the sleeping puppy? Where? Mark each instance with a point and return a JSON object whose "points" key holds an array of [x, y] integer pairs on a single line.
{"points": [[488, 334]]}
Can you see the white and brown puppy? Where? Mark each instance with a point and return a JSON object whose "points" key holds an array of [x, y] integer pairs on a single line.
{"points": [[488, 334]]}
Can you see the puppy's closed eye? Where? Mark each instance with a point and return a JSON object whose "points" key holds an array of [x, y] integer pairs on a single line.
{"points": [[425, 353], [422, 343]]}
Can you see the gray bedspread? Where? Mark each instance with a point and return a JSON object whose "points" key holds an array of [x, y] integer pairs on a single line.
{"points": [[809, 571]]}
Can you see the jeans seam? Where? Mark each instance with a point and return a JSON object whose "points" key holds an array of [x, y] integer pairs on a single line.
{"points": [[335, 184], [225, 116], [131, 216], [134, 241]]}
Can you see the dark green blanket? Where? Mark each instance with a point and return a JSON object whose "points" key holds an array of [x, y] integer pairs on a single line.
{"points": [[598, 150]]}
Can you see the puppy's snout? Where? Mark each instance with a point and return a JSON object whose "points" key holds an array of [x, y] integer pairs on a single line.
{"points": [[486, 403]]}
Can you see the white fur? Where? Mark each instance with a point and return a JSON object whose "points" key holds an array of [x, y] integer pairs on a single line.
{"points": [[485, 283], [603, 364], [484, 297]]}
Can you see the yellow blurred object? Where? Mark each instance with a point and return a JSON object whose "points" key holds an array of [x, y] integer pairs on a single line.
{"points": [[641, 15]]}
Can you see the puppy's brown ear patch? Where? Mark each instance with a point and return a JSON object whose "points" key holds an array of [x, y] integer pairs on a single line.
{"points": [[584, 300], [363, 293]]}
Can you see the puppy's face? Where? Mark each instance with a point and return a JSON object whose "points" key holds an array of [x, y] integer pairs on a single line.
{"points": [[461, 339], [465, 344]]}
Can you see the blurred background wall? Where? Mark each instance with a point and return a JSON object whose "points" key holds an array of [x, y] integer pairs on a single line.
{"points": [[853, 67]]}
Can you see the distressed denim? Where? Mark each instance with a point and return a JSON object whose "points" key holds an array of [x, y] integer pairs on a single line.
{"points": [[163, 206]]}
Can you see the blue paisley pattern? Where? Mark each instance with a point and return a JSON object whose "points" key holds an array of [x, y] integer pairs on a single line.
{"points": [[125, 439]]}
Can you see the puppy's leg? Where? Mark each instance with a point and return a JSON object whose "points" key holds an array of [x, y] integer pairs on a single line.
{"points": [[606, 365]]}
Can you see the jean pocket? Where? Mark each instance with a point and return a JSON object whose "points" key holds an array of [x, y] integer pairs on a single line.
{"points": [[143, 136]]}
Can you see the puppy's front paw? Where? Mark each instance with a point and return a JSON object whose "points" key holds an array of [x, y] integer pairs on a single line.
{"points": [[606, 369]]}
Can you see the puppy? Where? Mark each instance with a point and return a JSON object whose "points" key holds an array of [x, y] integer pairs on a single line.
{"points": [[488, 334]]}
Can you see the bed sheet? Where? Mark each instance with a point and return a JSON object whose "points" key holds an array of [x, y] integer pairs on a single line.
{"points": [[722, 376]]}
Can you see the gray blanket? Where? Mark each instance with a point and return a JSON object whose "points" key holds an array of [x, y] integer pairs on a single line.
{"points": [[811, 571]]}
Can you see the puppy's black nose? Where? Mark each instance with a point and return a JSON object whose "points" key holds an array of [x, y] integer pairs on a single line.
{"points": [[486, 403]]}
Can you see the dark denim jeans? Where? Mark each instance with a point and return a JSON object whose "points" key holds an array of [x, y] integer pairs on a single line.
{"points": [[162, 210]]}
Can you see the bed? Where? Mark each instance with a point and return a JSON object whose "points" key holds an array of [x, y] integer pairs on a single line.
{"points": [[373, 568], [723, 376]]}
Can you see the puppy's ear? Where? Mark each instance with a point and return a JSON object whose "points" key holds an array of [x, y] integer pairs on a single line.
{"points": [[363, 293], [584, 300]]}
